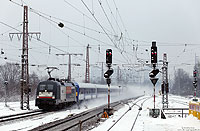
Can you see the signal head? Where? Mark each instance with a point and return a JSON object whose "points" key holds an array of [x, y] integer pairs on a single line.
{"points": [[153, 53], [195, 73], [109, 56], [108, 73], [153, 73]]}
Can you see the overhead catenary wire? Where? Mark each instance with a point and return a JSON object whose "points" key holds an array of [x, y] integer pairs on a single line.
{"points": [[92, 49], [121, 37], [103, 29], [106, 16], [8, 58], [146, 41], [66, 26], [48, 43], [121, 19], [83, 13], [134, 40], [164, 43], [33, 37], [11, 29], [69, 22], [113, 16], [74, 31]]}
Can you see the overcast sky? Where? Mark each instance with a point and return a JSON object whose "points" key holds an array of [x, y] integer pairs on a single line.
{"points": [[174, 24]]}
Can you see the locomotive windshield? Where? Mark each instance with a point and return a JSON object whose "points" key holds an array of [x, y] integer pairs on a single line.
{"points": [[48, 87], [42, 87]]}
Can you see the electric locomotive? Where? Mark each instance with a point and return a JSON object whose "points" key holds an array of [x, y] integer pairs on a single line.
{"points": [[53, 93]]}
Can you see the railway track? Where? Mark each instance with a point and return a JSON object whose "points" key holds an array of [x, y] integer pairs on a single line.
{"points": [[19, 116], [76, 121], [133, 104], [181, 102]]}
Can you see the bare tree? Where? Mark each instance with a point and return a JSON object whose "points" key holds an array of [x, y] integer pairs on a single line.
{"points": [[10, 72], [34, 81], [182, 83]]}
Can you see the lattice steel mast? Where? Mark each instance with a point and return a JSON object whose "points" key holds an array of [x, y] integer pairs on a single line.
{"points": [[87, 72], [165, 84], [24, 62]]}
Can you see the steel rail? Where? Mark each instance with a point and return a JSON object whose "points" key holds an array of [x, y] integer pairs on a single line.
{"points": [[134, 104], [139, 113], [74, 121], [20, 115]]}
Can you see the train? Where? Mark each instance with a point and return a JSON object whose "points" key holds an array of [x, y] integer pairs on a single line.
{"points": [[56, 94]]}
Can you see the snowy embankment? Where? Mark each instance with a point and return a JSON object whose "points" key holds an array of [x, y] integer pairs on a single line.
{"points": [[146, 123]]}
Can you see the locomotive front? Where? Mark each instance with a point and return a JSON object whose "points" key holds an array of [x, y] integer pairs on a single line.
{"points": [[47, 94]]}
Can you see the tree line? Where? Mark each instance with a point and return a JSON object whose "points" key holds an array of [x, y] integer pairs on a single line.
{"points": [[11, 73], [182, 83]]}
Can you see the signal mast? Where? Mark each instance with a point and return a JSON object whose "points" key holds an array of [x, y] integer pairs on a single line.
{"points": [[153, 74], [107, 75]]}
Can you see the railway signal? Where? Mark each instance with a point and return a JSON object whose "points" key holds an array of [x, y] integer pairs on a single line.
{"points": [[109, 56], [107, 75], [152, 76], [195, 84], [153, 73], [154, 53], [154, 80], [195, 73]]}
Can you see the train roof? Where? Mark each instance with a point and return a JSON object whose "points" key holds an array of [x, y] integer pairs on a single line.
{"points": [[50, 81], [90, 85]]}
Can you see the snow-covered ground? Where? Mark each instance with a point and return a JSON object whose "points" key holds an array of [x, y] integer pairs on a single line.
{"points": [[146, 123], [24, 125]]}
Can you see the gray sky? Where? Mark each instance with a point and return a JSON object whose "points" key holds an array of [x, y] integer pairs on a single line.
{"points": [[174, 24]]}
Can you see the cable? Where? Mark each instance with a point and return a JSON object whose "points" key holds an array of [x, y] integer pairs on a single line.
{"points": [[121, 19], [79, 11], [35, 11], [103, 29], [113, 16], [66, 34], [83, 14], [33, 37], [65, 27], [11, 29], [121, 38], [16, 3], [71, 28], [106, 16], [80, 42]]}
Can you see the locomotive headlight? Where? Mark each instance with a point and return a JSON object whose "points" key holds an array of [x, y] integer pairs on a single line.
{"points": [[38, 97], [53, 97]]}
